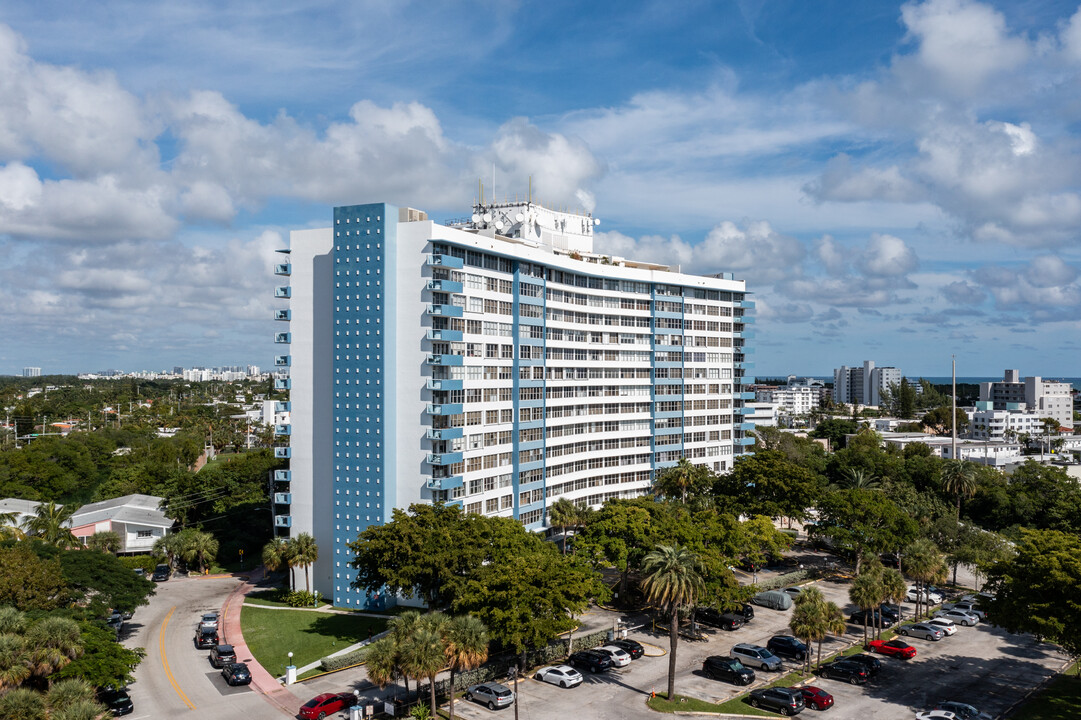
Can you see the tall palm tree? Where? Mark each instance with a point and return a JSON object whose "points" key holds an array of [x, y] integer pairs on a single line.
{"points": [[864, 592], [833, 623], [50, 523], [401, 629], [466, 648], [959, 478], [808, 619], [924, 563], [562, 514], [276, 555], [381, 662], [894, 588], [680, 478], [9, 526], [304, 553], [672, 579], [201, 546], [424, 653]]}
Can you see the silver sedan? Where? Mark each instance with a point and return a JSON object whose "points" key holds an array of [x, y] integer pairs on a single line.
{"points": [[959, 616]]}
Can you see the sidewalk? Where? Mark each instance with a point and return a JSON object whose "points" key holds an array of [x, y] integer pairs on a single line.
{"points": [[262, 681]]}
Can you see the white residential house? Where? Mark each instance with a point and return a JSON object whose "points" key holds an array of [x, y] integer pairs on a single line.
{"points": [[137, 519]]}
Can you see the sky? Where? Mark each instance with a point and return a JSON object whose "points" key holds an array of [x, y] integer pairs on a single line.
{"points": [[897, 182]]}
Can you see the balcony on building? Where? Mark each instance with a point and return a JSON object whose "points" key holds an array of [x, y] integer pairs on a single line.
{"points": [[282, 361], [445, 310], [283, 476], [283, 430], [444, 408], [448, 433], [448, 482], [286, 315], [447, 261], [445, 335], [283, 521], [443, 384], [446, 359], [283, 269], [283, 338], [283, 291], [746, 426], [283, 498], [282, 407], [447, 286], [283, 383], [447, 458], [283, 452]]}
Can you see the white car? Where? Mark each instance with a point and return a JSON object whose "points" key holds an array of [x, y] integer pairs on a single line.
{"points": [[945, 625], [562, 675], [958, 616], [620, 657], [931, 597], [936, 715]]}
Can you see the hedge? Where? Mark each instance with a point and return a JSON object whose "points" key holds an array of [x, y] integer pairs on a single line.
{"points": [[339, 662]]}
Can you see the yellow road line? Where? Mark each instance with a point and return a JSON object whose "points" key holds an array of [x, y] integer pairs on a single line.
{"points": [[165, 661]]}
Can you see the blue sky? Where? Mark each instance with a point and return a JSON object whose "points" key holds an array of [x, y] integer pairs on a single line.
{"points": [[896, 181]]}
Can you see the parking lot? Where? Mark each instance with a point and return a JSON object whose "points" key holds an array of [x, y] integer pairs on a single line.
{"points": [[982, 665]]}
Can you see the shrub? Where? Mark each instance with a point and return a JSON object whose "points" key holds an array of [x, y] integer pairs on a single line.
{"points": [[330, 664], [301, 598]]}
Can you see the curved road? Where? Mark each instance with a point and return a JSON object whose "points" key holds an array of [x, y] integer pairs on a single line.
{"points": [[175, 679]]}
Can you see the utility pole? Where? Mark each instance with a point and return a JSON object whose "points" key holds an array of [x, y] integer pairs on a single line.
{"points": [[953, 414]]}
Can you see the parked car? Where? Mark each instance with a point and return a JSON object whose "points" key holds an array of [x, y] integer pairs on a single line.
{"points": [[222, 655], [209, 620], [161, 573], [492, 694], [960, 617], [962, 710], [816, 698], [787, 701], [140, 572], [206, 639], [890, 612], [631, 647], [730, 669], [793, 592], [843, 669], [118, 701], [715, 618], [236, 673], [947, 626], [619, 656], [896, 648], [871, 618], [562, 675], [589, 660], [327, 704], [787, 646], [936, 715], [923, 630], [755, 656], [774, 599], [926, 595], [977, 597], [869, 662], [747, 612], [970, 607]]}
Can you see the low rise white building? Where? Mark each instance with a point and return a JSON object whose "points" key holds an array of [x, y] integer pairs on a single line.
{"points": [[137, 519]]}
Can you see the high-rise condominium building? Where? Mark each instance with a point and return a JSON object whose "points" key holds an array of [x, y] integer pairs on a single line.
{"points": [[1046, 398], [863, 385], [31, 372], [497, 363]]}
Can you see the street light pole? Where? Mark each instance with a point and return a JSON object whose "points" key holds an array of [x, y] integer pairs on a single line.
{"points": [[514, 675]]}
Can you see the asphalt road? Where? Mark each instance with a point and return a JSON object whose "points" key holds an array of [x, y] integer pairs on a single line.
{"points": [[176, 680]]}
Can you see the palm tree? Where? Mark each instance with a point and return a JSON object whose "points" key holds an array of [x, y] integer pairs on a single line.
{"points": [[401, 629], [22, 703], [107, 541], [53, 642], [860, 478], [276, 555], [959, 478], [833, 623], [562, 514], [14, 659], [304, 553], [923, 562], [672, 579], [808, 619], [680, 478], [9, 526], [466, 648], [894, 588], [50, 523], [199, 546], [864, 592], [73, 699], [169, 546], [424, 653], [381, 662]]}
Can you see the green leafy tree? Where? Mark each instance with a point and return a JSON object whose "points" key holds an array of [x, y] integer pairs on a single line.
{"points": [[28, 582], [938, 420], [466, 640], [1032, 590], [683, 478], [863, 521], [304, 552], [768, 483], [836, 431], [107, 541], [619, 533], [672, 580], [104, 661]]}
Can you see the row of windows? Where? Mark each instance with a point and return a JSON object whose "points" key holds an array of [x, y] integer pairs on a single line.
{"points": [[596, 463], [608, 426], [597, 446], [637, 476]]}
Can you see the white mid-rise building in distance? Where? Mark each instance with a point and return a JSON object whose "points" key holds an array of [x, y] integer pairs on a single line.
{"points": [[863, 385], [31, 372], [497, 363], [1048, 399]]}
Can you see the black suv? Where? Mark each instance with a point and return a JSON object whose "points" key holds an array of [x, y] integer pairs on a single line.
{"points": [[161, 573], [221, 655], [206, 638], [845, 669], [730, 669], [236, 674], [787, 646], [714, 618], [787, 701], [890, 612], [590, 660], [869, 662], [118, 701], [631, 647]]}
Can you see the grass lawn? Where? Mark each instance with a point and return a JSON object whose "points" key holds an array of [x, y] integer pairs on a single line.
{"points": [[735, 706], [1058, 701], [272, 634]]}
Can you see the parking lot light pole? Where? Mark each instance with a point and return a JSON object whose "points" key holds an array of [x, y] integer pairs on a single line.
{"points": [[514, 676]]}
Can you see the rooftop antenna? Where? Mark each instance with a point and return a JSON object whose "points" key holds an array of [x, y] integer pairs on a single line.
{"points": [[530, 189], [495, 196], [481, 184]]}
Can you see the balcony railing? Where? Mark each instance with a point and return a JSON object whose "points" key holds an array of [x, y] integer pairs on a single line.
{"points": [[283, 291], [445, 359], [445, 433], [283, 521], [444, 408], [283, 453], [283, 315], [283, 430], [280, 407], [283, 476], [283, 338], [444, 384], [448, 261], [448, 458], [283, 383], [283, 269], [445, 310], [283, 498], [447, 286], [444, 483], [282, 361]]}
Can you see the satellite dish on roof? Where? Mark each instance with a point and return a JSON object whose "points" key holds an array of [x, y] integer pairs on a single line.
{"points": [[498, 224], [487, 217], [476, 218], [596, 221], [519, 217]]}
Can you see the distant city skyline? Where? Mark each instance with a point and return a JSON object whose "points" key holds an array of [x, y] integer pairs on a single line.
{"points": [[897, 180]]}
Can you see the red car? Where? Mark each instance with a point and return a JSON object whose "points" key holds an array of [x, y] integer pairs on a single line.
{"points": [[817, 698], [892, 647], [327, 704]]}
